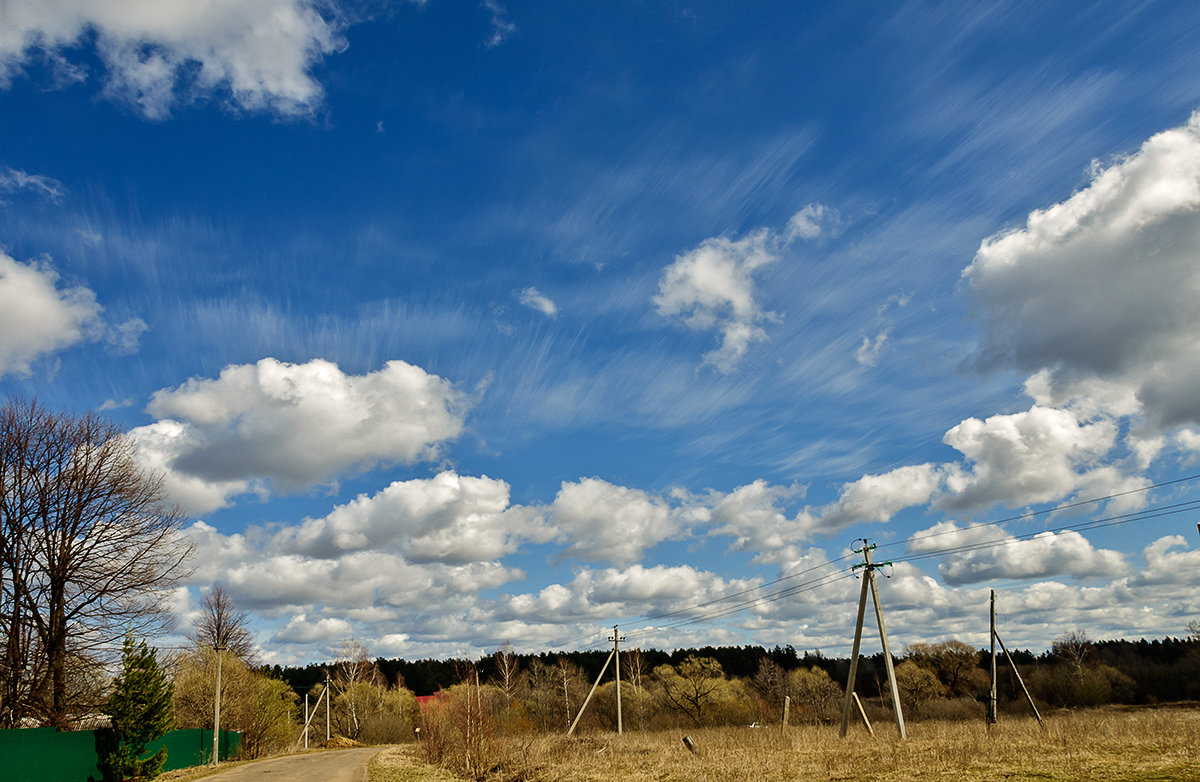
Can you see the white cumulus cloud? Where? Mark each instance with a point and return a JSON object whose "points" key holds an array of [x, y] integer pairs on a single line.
{"points": [[879, 497], [448, 518], [1099, 290], [604, 521], [1000, 554], [1028, 457], [39, 316], [294, 425], [712, 288], [256, 54], [637, 589]]}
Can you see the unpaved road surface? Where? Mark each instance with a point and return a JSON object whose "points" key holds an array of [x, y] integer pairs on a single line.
{"points": [[341, 765]]}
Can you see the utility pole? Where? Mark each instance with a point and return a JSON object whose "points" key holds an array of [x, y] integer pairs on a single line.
{"points": [[1012, 663], [617, 639], [217, 709], [308, 716], [327, 708], [991, 711], [868, 567]]}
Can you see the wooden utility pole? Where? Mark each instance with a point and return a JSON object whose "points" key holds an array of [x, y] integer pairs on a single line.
{"points": [[858, 625], [869, 568], [992, 698], [216, 757], [615, 653], [991, 711], [617, 639]]}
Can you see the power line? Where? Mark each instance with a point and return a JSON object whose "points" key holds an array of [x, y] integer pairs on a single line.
{"points": [[827, 563], [1109, 521], [1142, 515], [1044, 511]]}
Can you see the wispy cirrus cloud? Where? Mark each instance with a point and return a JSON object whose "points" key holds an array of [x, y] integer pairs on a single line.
{"points": [[536, 300], [502, 28], [14, 181]]}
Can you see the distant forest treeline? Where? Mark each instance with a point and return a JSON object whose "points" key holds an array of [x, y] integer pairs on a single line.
{"points": [[1156, 671]]}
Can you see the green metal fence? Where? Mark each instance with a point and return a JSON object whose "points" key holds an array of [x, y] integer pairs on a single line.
{"points": [[187, 748], [49, 755]]}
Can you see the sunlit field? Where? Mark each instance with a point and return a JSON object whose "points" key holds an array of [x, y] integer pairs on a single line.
{"points": [[1142, 744]]}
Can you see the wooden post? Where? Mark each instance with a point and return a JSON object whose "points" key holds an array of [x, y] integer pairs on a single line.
{"points": [[863, 713], [887, 652], [787, 707], [690, 743], [306, 719], [1020, 681], [591, 692], [991, 711], [850, 682]]}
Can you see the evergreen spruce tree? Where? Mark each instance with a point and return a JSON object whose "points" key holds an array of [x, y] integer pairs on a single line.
{"points": [[140, 707]]}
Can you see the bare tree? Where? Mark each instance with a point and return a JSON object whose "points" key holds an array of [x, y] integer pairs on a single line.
{"points": [[20, 673], [356, 681], [569, 678], [1072, 649], [771, 681], [635, 667], [89, 548], [221, 626], [508, 669]]}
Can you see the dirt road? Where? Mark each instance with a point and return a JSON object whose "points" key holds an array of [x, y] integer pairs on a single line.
{"points": [[342, 765]]}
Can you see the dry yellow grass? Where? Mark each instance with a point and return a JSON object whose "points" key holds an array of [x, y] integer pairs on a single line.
{"points": [[403, 764], [1144, 745]]}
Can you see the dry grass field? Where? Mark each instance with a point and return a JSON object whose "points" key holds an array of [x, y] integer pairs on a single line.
{"points": [[1146, 745]]}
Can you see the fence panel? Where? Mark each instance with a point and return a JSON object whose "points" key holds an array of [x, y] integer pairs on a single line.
{"points": [[50, 755], [193, 747]]}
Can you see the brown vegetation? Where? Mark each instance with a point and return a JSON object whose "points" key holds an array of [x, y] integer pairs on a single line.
{"points": [[1133, 744]]}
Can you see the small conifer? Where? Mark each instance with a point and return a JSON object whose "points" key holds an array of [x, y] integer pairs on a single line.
{"points": [[140, 708]]}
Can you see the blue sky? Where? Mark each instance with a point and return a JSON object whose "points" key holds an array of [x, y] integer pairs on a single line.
{"points": [[458, 323]]}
